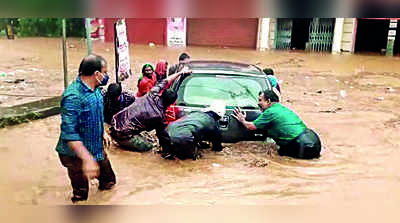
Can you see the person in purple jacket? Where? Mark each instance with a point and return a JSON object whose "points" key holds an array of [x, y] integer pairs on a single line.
{"points": [[145, 114]]}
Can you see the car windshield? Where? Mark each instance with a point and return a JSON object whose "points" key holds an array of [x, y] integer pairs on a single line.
{"points": [[201, 90]]}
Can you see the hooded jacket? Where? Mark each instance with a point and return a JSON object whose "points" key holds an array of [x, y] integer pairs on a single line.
{"points": [[146, 113], [201, 126]]}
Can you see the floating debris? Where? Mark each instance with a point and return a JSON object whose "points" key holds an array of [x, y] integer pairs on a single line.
{"points": [[216, 165], [389, 89], [332, 111], [343, 93]]}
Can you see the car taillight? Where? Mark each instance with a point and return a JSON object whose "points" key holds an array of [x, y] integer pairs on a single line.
{"points": [[171, 113]]}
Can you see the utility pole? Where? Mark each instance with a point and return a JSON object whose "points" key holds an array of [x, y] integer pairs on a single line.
{"points": [[64, 40], [391, 37], [88, 35]]}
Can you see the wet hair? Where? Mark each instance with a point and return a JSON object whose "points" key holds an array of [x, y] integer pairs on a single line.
{"points": [[114, 90], [268, 71], [270, 95], [91, 64], [184, 56], [168, 97], [146, 66]]}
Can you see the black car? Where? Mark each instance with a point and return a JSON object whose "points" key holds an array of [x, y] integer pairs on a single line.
{"points": [[237, 84]]}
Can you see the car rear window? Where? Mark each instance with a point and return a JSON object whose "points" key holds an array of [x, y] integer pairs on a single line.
{"points": [[201, 90]]}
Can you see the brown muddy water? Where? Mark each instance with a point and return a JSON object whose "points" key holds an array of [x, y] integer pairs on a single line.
{"points": [[352, 101]]}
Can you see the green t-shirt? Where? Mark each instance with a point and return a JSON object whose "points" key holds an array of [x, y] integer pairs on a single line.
{"points": [[280, 123]]}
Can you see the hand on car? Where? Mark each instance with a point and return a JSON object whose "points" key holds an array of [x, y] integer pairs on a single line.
{"points": [[186, 70], [239, 115]]}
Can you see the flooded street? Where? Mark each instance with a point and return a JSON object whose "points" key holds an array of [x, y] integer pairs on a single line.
{"points": [[352, 101]]}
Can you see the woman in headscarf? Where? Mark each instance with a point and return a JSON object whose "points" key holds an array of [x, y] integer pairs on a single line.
{"points": [[147, 80], [161, 70]]}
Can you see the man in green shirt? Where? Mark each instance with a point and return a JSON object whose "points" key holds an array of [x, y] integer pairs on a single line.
{"points": [[284, 127]]}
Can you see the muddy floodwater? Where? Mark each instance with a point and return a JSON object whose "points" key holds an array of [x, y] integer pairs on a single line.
{"points": [[352, 101]]}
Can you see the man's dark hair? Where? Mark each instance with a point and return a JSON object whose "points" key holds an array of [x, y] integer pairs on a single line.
{"points": [[91, 64], [270, 95], [114, 90], [184, 56], [268, 71], [168, 97]]}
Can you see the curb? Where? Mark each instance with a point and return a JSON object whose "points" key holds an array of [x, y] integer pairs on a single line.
{"points": [[30, 111]]}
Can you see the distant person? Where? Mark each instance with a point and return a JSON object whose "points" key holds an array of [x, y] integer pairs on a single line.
{"points": [[182, 137], [145, 114], [184, 59], [80, 146], [272, 79], [161, 70], [116, 100], [284, 127], [147, 80]]}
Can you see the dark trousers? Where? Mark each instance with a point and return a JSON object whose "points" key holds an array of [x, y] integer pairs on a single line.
{"points": [[305, 146], [137, 143], [182, 145], [79, 181]]}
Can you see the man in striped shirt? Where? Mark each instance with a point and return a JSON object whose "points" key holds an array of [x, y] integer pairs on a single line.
{"points": [[80, 146]]}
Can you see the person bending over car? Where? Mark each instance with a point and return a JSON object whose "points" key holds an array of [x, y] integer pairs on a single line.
{"points": [[284, 127], [115, 100], [146, 113], [181, 138]]}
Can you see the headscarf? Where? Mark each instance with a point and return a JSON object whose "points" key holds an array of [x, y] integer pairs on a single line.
{"points": [[143, 68], [161, 71]]}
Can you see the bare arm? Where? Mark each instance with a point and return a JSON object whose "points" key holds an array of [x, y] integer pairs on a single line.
{"points": [[69, 118], [80, 150], [172, 77], [89, 165], [241, 117]]}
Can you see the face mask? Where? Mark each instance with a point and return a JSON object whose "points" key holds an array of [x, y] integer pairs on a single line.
{"points": [[104, 81]]}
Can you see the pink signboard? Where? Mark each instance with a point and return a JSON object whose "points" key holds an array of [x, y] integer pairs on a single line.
{"points": [[176, 32]]}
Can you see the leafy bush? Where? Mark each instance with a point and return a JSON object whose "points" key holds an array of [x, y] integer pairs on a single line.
{"points": [[49, 27]]}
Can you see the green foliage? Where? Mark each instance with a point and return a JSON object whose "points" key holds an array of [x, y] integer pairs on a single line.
{"points": [[39, 27], [3, 23], [50, 27], [18, 120], [76, 28]]}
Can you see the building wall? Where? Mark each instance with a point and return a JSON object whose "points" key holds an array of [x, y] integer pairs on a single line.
{"points": [[142, 31], [222, 32]]}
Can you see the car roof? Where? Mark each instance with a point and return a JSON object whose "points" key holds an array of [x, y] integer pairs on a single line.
{"points": [[225, 67]]}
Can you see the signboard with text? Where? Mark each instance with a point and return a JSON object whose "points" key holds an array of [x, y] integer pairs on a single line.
{"points": [[392, 32], [122, 59], [176, 32]]}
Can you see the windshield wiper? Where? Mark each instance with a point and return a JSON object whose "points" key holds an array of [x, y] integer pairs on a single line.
{"points": [[245, 88], [249, 107]]}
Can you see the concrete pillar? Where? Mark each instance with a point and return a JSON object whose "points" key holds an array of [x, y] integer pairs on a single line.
{"points": [[263, 34], [338, 34], [353, 47]]}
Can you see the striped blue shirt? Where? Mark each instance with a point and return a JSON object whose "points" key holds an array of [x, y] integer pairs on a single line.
{"points": [[82, 119]]}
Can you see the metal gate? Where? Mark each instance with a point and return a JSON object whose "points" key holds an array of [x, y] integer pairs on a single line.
{"points": [[283, 36], [321, 35]]}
